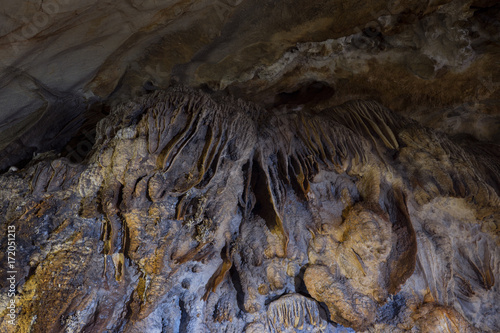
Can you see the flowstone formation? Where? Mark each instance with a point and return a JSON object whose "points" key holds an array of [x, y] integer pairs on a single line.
{"points": [[204, 213]]}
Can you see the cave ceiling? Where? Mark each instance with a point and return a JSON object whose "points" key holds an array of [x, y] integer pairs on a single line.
{"points": [[250, 166]]}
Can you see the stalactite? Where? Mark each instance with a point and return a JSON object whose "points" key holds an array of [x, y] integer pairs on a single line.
{"points": [[350, 206]]}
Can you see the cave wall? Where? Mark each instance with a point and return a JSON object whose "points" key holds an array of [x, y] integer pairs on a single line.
{"points": [[196, 213], [250, 166], [63, 62]]}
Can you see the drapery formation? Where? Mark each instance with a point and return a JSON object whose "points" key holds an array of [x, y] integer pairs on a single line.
{"points": [[196, 212]]}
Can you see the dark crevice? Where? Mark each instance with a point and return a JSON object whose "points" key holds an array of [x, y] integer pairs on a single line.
{"points": [[324, 312], [264, 204], [185, 318], [240, 295], [300, 286], [313, 92]]}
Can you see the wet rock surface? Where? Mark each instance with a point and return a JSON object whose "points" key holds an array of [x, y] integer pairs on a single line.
{"points": [[196, 212]]}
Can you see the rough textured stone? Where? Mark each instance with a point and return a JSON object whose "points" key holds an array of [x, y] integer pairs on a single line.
{"points": [[250, 166], [62, 60], [196, 212]]}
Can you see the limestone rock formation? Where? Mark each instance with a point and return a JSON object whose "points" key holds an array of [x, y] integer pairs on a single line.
{"points": [[249, 166], [197, 212]]}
